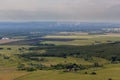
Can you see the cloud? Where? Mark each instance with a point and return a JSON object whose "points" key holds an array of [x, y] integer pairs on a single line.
{"points": [[80, 10]]}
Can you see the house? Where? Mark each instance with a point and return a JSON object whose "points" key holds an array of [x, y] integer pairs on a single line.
{"points": [[5, 38]]}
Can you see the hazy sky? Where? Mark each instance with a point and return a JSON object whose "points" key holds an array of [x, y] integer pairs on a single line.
{"points": [[60, 10]]}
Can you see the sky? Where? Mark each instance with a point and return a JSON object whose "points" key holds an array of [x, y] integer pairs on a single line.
{"points": [[59, 10]]}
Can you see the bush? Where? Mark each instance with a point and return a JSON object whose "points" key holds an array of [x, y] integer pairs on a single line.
{"points": [[86, 72], [9, 48], [1, 48], [69, 66], [93, 73], [21, 66], [96, 64], [38, 66], [110, 79], [37, 59], [6, 57], [29, 69]]}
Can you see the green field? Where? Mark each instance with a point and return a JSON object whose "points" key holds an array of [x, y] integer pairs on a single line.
{"points": [[10, 72], [8, 69], [110, 71], [84, 39], [13, 60], [9, 59]]}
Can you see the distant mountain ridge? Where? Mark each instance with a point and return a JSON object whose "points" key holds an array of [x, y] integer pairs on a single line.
{"points": [[55, 26]]}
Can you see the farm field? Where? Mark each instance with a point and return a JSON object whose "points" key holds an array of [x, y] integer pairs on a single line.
{"points": [[92, 41], [9, 40], [83, 39]]}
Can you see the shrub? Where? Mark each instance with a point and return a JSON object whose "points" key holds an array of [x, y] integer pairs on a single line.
{"points": [[86, 72], [96, 64], [29, 69], [110, 79], [37, 66], [9, 48], [69, 66], [93, 73], [6, 57], [21, 66], [1, 48]]}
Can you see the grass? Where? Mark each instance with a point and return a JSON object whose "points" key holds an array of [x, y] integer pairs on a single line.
{"points": [[70, 36], [57, 60], [112, 71], [10, 73], [8, 66], [88, 41], [75, 42], [82, 38], [13, 60], [8, 69]]}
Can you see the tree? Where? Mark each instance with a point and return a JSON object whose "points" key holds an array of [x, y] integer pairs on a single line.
{"points": [[114, 58], [21, 66], [31, 69]]}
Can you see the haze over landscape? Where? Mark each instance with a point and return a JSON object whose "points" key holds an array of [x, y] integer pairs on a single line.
{"points": [[60, 10]]}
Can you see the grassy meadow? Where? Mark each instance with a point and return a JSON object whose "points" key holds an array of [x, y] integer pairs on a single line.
{"points": [[83, 39], [9, 60], [109, 72]]}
